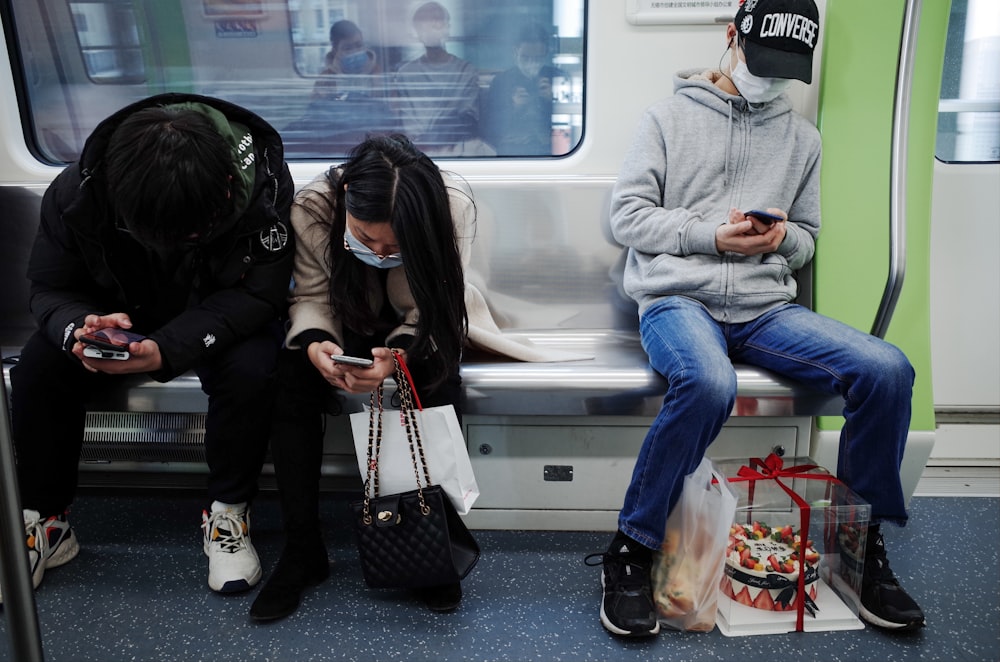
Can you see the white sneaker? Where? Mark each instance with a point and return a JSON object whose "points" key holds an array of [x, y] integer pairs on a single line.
{"points": [[233, 565], [51, 543]]}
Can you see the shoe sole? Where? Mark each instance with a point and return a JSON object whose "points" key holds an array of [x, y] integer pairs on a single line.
{"points": [[275, 616], [889, 625], [237, 585], [614, 629], [234, 585]]}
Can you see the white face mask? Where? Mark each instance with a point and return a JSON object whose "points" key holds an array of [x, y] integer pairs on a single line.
{"points": [[754, 88]]}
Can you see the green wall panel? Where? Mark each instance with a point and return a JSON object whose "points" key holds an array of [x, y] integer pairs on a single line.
{"points": [[858, 80]]}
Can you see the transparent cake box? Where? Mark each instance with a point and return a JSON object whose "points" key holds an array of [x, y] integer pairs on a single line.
{"points": [[837, 526]]}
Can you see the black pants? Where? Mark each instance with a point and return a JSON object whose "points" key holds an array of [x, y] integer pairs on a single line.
{"points": [[49, 394], [304, 397]]}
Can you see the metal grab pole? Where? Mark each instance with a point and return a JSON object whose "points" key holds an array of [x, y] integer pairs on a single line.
{"points": [[897, 194], [15, 576]]}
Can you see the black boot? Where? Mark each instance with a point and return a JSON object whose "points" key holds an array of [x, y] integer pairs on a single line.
{"points": [[445, 597], [300, 566], [297, 454]]}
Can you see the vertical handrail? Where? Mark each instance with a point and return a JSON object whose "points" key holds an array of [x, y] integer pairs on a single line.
{"points": [[897, 171], [15, 575]]}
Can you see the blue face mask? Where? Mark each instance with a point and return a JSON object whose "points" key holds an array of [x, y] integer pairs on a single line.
{"points": [[368, 256], [355, 63]]}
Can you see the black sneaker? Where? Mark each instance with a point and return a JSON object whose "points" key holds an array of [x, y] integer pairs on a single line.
{"points": [[884, 603], [627, 608]]}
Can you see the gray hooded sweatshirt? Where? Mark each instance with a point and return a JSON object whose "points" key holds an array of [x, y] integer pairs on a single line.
{"points": [[695, 156]]}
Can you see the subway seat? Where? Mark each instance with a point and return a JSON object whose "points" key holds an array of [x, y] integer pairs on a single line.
{"points": [[617, 381], [552, 444]]}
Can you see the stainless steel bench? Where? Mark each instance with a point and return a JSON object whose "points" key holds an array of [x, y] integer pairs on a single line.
{"points": [[552, 443]]}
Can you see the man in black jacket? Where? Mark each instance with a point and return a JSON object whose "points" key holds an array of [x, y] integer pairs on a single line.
{"points": [[174, 224]]}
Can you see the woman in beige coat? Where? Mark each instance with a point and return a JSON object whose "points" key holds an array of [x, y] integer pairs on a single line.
{"points": [[377, 266]]}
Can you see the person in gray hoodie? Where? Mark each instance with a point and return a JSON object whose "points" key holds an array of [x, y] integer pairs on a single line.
{"points": [[718, 204]]}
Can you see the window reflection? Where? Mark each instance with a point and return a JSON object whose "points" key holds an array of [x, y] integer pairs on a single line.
{"points": [[465, 78], [109, 41]]}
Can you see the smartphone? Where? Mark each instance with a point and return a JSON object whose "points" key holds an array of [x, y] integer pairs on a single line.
{"points": [[95, 352], [352, 360], [763, 216], [109, 343]]}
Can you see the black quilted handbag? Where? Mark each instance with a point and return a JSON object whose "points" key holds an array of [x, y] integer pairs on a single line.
{"points": [[416, 538]]}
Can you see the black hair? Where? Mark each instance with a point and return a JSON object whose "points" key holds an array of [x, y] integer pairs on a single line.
{"points": [[168, 175], [534, 33], [387, 179], [431, 11], [342, 30]]}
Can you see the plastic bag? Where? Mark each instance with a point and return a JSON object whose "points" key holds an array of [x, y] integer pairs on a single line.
{"points": [[687, 570]]}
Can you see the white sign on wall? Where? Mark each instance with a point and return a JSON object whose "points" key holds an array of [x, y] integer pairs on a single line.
{"points": [[689, 12]]}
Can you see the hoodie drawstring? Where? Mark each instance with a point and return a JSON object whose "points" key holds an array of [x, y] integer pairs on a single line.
{"points": [[729, 144]]}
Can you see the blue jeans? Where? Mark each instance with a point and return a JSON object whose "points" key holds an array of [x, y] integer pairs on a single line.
{"points": [[695, 354]]}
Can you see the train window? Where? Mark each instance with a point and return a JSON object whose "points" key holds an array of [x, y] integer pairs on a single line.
{"points": [[109, 40], [969, 109], [463, 78]]}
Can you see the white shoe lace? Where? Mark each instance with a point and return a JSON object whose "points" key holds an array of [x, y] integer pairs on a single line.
{"points": [[33, 527], [232, 540]]}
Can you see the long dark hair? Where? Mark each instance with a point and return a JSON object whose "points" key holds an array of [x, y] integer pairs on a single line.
{"points": [[387, 178]]}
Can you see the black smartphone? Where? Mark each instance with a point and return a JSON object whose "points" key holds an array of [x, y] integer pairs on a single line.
{"points": [[763, 216], [109, 343]]}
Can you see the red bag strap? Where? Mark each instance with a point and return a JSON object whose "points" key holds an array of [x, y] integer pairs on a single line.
{"points": [[409, 378]]}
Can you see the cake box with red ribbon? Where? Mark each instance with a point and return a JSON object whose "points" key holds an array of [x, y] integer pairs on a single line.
{"points": [[796, 549]]}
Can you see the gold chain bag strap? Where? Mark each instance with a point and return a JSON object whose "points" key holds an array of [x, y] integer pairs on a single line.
{"points": [[416, 538]]}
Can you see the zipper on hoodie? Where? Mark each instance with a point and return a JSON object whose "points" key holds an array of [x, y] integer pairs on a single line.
{"points": [[735, 184]]}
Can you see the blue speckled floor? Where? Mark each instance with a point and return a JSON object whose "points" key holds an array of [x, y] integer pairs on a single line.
{"points": [[137, 592]]}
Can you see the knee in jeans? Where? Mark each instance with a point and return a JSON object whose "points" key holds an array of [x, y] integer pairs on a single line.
{"points": [[890, 370], [709, 390], [894, 362]]}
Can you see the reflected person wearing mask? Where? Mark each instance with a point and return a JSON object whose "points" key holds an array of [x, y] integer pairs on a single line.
{"points": [[348, 57], [349, 100], [518, 110]]}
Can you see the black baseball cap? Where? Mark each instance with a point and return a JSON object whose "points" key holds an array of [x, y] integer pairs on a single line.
{"points": [[778, 37]]}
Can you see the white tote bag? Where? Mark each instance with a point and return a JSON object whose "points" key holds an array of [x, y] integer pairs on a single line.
{"points": [[445, 450]]}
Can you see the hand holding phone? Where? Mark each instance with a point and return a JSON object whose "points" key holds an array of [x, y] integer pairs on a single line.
{"points": [[109, 343]]}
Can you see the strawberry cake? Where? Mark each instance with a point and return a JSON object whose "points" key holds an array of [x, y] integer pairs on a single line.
{"points": [[762, 567]]}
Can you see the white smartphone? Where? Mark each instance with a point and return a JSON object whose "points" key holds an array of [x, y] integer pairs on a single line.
{"points": [[95, 352], [352, 360]]}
